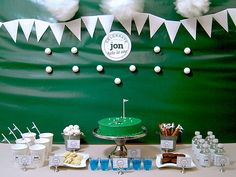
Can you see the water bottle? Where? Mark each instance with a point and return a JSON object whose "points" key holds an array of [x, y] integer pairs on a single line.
{"points": [[219, 152], [199, 148], [213, 147], [195, 137], [210, 140], [195, 143], [209, 133], [205, 156]]}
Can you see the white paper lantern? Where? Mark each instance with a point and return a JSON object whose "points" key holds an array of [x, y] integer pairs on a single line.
{"points": [[48, 69], [74, 50], [100, 68], [75, 69], [187, 70], [117, 81], [187, 50], [48, 51], [157, 49], [132, 68], [157, 69]]}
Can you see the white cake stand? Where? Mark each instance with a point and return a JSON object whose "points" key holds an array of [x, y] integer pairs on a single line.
{"points": [[120, 149]]}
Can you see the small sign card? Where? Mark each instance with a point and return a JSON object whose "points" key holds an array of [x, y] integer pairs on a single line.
{"points": [[24, 160], [73, 144], [134, 153], [56, 161], [167, 144], [184, 162], [221, 161], [120, 163]]}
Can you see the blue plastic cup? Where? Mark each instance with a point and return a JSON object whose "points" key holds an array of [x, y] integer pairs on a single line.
{"points": [[136, 164], [147, 164], [93, 162], [104, 162]]}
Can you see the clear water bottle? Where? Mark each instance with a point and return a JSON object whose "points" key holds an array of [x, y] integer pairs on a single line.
{"points": [[210, 140], [195, 143], [195, 137], [199, 148], [219, 152], [209, 133], [205, 156], [213, 147]]}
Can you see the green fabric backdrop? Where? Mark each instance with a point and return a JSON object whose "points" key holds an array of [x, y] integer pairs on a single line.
{"points": [[203, 101]]}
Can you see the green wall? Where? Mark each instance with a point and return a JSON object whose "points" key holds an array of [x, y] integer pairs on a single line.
{"points": [[202, 101]]}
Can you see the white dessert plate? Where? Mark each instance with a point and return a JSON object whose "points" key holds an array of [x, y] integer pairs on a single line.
{"points": [[82, 164], [160, 165]]}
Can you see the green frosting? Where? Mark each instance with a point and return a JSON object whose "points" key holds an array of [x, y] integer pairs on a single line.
{"points": [[119, 126]]}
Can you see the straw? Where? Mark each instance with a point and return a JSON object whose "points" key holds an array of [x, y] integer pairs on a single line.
{"points": [[12, 133], [28, 130], [16, 128], [5, 139], [35, 127]]}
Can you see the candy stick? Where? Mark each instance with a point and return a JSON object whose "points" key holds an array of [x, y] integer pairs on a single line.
{"points": [[5, 139], [12, 133], [35, 127], [16, 128], [177, 130], [172, 128]]}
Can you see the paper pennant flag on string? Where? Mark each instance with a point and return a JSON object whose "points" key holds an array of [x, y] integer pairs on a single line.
{"points": [[90, 23], [75, 27], [222, 19], [139, 20], [26, 25], [106, 21], [0, 24], [206, 22], [57, 30], [12, 28], [172, 29], [155, 23], [191, 26], [232, 13], [126, 23], [40, 28]]}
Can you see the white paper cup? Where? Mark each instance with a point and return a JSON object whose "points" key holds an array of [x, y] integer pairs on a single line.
{"points": [[48, 136], [29, 135], [19, 149], [26, 141], [38, 151], [46, 143]]}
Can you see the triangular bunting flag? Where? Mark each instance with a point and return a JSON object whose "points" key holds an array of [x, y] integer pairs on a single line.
{"points": [[106, 21], [75, 27], [90, 23], [155, 23], [139, 20], [57, 30], [12, 28], [0, 24], [232, 13], [40, 28], [26, 25], [206, 22], [191, 26], [172, 29], [222, 19], [126, 23]]}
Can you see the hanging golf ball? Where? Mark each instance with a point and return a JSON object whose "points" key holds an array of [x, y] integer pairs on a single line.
{"points": [[48, 51], [132, 68], [187, 50], [117, 81], [99, 68], [75, 69], [157, 69], [48, 69], [157, 49], [74, 50], [187, 70]]}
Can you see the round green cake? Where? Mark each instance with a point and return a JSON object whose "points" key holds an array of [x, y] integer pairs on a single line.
{"points": [[120, 126]]}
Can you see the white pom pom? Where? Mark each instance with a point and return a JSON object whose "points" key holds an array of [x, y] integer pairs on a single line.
{"points": [[62, 10], [122, 9], [192, 8]]}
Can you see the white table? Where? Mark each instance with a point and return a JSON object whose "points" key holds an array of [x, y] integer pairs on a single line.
{"points": [[7, 168]]}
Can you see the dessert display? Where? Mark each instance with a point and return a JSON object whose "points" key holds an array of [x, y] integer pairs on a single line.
{"points": [[72, 158], [120, 126], [170, 157]]}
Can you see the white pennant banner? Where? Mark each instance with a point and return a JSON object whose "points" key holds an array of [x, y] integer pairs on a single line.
{"points": [[12, 28], [90, 23], [206, 22], [139, 20], [222, 19], [75, 27], [40, 28], [106, 21], [57, 30], [172, 29], [232, 13], [191, 26], [126, 23], [26, 25], [0, 24], [155, 23]]}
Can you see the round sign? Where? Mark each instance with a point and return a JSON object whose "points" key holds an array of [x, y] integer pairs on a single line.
{"points": [[116, 46]]}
